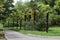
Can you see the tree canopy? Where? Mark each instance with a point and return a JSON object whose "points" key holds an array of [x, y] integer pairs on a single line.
{"points": [[40, 13]]}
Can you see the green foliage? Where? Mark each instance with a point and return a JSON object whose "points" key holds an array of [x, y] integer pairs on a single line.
{"points": [[6, 9], [54, 19], [40, 7], [57, 7]]}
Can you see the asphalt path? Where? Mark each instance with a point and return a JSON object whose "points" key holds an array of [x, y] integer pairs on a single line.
{"points": [[13, 35]]}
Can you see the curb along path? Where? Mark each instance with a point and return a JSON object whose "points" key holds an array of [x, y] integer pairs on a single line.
{"points": [[13, 35]]}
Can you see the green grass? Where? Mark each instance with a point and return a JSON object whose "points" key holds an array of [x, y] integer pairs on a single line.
{"points": [[53, 31], [1, 26]]}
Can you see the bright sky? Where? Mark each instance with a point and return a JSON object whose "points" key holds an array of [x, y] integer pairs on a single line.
{"points": [[21, 0]]}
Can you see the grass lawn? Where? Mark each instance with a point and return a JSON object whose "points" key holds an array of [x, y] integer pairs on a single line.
{"points": [[53, 31], [1, 26]]}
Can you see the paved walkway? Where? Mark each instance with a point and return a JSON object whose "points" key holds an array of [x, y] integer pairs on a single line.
{"points": [[13, 35]]}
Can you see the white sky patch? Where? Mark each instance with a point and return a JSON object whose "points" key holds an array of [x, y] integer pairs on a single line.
{"points": [[15, 1], [25, 0], [21, 0]]}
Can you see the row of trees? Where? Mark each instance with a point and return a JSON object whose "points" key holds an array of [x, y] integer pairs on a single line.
{"points": [[39, 14], [6, 8], [33, 15]]}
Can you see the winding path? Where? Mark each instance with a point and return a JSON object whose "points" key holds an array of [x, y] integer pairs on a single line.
{"points": [[13, 35]]}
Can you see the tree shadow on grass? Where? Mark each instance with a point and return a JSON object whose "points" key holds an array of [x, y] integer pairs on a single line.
{"points": [[50, 30]]}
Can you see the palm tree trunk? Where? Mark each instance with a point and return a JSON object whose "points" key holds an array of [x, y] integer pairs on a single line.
{"points": [[17, 22], [25, 21], [34, 18], [47, 16], [20, 23]]}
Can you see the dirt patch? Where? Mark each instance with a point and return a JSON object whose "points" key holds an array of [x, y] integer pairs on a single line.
{"points": [[2, 37]]}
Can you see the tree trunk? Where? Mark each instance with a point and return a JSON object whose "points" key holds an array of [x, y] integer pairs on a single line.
{"points": [[25, 17], [25, 22], [20, 23], [17, 22], [47, 16], [34, 19], [13, 21], [8, 24]]}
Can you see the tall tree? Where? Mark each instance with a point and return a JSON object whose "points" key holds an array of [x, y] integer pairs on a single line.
{"points": [[7, 8], [51, 3], [33, 7]]}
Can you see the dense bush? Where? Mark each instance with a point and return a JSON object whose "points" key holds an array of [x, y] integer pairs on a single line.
{"points": [[54, 19], [10, 25]]}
